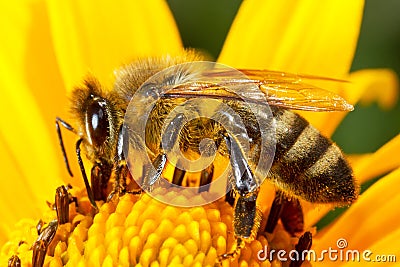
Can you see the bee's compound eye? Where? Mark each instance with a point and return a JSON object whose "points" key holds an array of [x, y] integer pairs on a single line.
{"points": [[97, 123]]}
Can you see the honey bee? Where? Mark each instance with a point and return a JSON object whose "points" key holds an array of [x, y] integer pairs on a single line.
{"points": [[306, 165]]}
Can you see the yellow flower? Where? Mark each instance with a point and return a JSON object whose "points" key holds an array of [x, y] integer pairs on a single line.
{"points": [[49, 46]]}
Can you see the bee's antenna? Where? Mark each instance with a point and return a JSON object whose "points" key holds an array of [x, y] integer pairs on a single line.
{"points": [[85, 179], [70, 128]]}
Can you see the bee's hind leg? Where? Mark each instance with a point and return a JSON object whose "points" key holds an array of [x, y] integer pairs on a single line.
{"points": [[246, 223], [234, 251], [246, 215], [289, 210]]}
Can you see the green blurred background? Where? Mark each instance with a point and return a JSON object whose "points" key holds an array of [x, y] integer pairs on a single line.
{"points": [[204, 25]]}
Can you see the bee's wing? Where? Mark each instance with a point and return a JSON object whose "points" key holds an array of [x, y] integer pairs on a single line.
{"points": [[277, 88]]}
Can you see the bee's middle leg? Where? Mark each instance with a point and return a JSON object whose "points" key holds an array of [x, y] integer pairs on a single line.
{"points": [[246, 215], [151, 177]]}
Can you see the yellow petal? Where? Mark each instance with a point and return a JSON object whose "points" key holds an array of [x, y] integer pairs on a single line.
{"points": [[314, 212], [382, 85], [100, 36], [387, 246], [17, 199], [28, 56], [25, 142], [383, 160], [356, 158], [295, 36], [27, 80], [384, 252], [372, 217]]}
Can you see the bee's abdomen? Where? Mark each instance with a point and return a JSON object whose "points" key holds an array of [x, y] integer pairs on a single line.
{"points": [[309, 165]]}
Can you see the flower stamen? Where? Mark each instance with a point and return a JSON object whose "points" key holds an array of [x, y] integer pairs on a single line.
{"points": [[302, 247], [14, 261]]}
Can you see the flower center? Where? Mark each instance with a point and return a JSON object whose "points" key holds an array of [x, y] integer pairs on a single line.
{"points": [[139, 230]]}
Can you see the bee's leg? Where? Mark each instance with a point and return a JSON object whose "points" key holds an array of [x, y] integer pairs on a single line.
{"points": [[60, 139], [39, 226], [275, 212], [304, 244], [14, 261], [173, 130], [151, 177], [100, 175], [119, 188], [292, 217], [246, 215], [85, 179], [246, 222], [72, 199], [289, 211], [178, 176], [230, 197], [206, 178], [121, 168], [42, 243]]}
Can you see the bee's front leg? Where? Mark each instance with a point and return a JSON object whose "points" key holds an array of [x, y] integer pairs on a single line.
{"points": [[121, 167], [120, 185], [246, 215], [99, 177]]}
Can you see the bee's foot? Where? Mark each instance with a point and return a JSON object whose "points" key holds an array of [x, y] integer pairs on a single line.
{"points": [[135, 192], [228, 256], [115, 194], [111, 196], [233, 253]]}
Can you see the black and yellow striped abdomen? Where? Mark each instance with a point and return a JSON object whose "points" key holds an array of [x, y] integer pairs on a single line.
{"points": [[307, 164]]}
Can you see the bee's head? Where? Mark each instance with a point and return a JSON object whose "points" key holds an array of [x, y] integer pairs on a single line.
{"points": [[99, 117]]}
